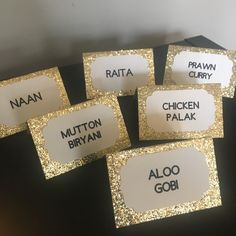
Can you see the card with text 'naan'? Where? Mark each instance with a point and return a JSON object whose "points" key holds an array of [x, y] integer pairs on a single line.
{"points": [[28, 96]]}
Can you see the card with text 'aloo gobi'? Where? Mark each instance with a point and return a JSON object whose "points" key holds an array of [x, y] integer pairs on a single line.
{"points": [[75, 136], [117, 72], [192, 65], [28, 96], [180, 111], [163, 180]]}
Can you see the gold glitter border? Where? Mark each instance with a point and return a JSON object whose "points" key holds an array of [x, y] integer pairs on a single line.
{"points": [[125, 216], [174, 50], [216, 130], [52, 73], [53, 168], [88, 58]]}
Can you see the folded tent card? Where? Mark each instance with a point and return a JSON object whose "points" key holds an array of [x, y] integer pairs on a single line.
{"points": [[164, 180], [117, 72], [28, 96], [72, 137], [192, 65], [180, 111]]}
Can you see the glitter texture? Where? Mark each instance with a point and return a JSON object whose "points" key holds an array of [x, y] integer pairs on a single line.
{"points": [[125, 216], [52, 73], [147, 133], [88, 58], [175, 50], [53, 168]]}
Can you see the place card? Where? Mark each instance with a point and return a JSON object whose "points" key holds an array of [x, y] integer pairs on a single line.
{"points": [[180, 112], [162, 181], [192, 65], [28, 96], [72, 137], [117, 72]]}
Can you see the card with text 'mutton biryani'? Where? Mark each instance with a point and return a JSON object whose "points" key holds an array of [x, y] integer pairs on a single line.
{"points": [[28, 96], [72, 137], [180, 112], [162, 181], [191, 65], [117, 72]]}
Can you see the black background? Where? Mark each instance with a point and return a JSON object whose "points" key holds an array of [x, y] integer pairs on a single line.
{"points": [[79, 202]]}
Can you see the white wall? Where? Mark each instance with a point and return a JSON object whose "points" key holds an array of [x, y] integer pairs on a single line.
{"points": [[42, 33]]}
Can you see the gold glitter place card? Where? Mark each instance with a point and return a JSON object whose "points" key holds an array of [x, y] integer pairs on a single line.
{"points": [[192, 65], [162, 181], [72, 137], [180, 112], [28, 96], [117, 72]]}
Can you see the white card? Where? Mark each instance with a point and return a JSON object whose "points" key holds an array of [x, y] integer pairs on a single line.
{"points": [[163, 180], [81, 133], [75, 136], [118, 72], [184, 111], [190, 65], [28, 96]]}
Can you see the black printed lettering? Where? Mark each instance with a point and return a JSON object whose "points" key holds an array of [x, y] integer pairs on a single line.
{"points": [[19, 102]]}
